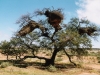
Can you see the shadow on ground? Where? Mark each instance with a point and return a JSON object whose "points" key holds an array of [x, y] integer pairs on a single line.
{"points": [[39, 65]]}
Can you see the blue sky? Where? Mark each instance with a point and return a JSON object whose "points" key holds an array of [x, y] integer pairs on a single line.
{"points": [[12, 10]]}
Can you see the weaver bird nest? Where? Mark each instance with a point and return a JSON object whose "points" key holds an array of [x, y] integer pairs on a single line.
{"points": [[88, 30], [30, 27], [54, 18]]}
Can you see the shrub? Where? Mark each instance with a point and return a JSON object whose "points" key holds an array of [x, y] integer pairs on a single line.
{"points": [[52, 68], [98, 59], [5, 64]]}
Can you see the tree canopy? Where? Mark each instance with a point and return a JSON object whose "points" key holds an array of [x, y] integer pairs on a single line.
{"points": [[51, 33]]}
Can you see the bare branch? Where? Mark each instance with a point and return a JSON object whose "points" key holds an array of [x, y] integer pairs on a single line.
{"points": [[69, 57]]}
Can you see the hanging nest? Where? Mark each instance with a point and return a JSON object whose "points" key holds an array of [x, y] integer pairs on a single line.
{"points": [[54, 18], [88, 30], [30, 27]]}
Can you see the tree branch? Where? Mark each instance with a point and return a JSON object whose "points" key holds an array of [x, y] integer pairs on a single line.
{"points": [[25, 57], [69, 57]]}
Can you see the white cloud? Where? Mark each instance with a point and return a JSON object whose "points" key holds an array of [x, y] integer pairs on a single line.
{"points": [[89, 9]]}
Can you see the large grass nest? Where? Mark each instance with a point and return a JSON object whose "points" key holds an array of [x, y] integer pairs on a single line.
{"points": [[54, 18], [30, 27], [88, 30]]}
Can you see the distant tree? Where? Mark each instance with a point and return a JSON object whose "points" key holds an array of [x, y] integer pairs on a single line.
{"points": [[18, 49], [5, 48], [76, 35], [12, 48]]}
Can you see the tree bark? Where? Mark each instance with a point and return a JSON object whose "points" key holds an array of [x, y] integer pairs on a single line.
{"points": [[51, 61]]}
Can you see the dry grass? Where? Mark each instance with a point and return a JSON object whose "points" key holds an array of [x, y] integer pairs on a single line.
{"points": [[37, 69], [62, 67]]}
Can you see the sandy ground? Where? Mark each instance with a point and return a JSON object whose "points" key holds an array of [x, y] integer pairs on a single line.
{"points": [[94, 66], [88, 74], [2, 57]]}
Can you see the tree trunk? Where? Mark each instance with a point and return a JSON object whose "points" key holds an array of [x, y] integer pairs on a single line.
{"points": [[16, 56], [51, 61], [7, 56]]}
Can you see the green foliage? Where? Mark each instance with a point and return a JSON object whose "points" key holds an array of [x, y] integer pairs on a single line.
{"points": [[13, 47], [68, 37], [5, 45]]}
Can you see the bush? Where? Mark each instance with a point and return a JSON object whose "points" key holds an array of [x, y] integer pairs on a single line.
{"points": [[98, 59], [5, 64], [52, 68]]}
